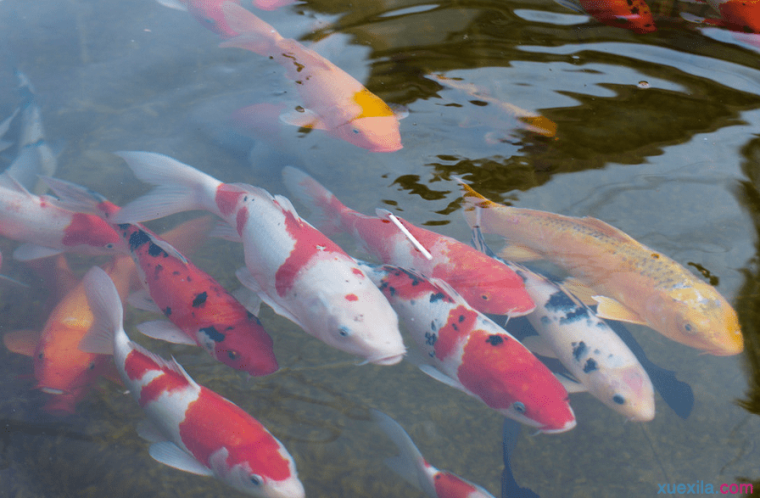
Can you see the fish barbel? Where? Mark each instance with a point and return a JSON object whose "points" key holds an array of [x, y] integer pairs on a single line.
{"points": [[633, 282]]}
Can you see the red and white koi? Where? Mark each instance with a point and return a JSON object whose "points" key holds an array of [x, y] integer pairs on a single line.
{"points": [[633, 282], [192, 428], [488, 285], [199, 310], [466, 350], [412, 466], [628, 14], [334, 100], [293, 267]]}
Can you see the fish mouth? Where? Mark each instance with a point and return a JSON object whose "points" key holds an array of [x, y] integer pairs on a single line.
{"points": [[387, 360], [568, 425]]}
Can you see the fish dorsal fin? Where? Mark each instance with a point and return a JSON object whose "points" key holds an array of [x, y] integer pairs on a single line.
{"points": [[446, 288], [571, 384], [606, 229], [536, 344], [74, 197], [610, 309], [22, 341], [287, 206], [172, 455], [578, 289], [166, 247]]}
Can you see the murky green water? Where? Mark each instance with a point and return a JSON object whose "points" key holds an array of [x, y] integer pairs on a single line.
{"points": [[674, 162]]}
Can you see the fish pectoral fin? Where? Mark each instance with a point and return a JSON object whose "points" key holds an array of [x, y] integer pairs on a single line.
{"points": [[580, 290], [164, 330], [514, 252], [172, 455], [249, 299], [303, 119], [610, 309], [224, 231], [22, 341], [30, 252], [249, 281], [571, 384], [142, 301], [399, 111], [536, 344], [442, 377], [149, 432], [173, 4]]}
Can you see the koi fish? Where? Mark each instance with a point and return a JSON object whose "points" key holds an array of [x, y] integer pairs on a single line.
{"points": [[412, 466], [295, 269], [334, 100], [35, 157], [736, 15], [60, 368], [628, 14], [207, 12], [590, 350], [468, 351], [200, 311], [191, 427], [528, 120], [633, 283], [488, 285]]}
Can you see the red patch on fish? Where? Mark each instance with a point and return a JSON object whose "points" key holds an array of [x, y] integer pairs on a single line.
{"points": [[358, 272], [88, 229], [243, 436], [309, 242], [227, 197], [448, 485], [163, 384], [137, 364], [241, 218], [460, 323], [351, 297]]}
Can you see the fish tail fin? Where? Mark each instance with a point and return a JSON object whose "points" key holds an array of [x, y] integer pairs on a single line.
{"points": [[327, 210], [409, 461], [179, 187], [108, 314], [254, 34]]}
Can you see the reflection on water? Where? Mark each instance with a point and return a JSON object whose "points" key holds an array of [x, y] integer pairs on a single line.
{"points": [[673, 162]]}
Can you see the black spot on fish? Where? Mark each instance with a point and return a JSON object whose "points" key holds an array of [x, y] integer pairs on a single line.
{"points": [[545, 320], [618, 399], [573, 316], [559, 301], [432, 326], [175, 273], [590, 366], [123, 226], [156, 251], [212, 334], [461, 318], [495, 340], [137, 239], [635, 10], [454, 326], [391, 291], [167, 311], [157, 270], [579, 349], [200, 299], [437, 297], [430, 338]]}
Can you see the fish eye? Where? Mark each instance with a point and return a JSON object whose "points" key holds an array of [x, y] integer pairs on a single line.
{"points": [[355, 130], [92, 366], [519, 407], [209, 20], [109, 246], [255, 480], [618, 399], [687, 327], [233, 355], [344, 331]]}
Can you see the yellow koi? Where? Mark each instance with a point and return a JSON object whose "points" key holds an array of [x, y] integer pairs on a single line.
{"points": [[634, 283]]}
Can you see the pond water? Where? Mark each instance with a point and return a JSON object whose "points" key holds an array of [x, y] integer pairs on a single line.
{"points": [[656, 134]]}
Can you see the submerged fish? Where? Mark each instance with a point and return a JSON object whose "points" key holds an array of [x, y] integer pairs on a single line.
{"points": [[635, 283], [295, 269], [199, 310], [412, 466], [334, 100], [468, 351], [207, 12], [488, 285], [629, 14], [191, 427], [590, 350], [742, 16]]}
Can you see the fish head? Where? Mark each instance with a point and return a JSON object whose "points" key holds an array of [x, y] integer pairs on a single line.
{"points": [[349, 313], [243, 346], [698, 316], [374, 133], [254, 471], [627, 390], [91, 234]]}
